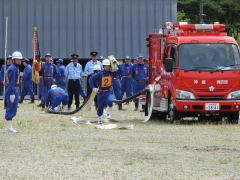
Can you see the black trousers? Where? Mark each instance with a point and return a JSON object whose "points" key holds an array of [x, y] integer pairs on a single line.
{"points": [[89, 90], [73, 90]]}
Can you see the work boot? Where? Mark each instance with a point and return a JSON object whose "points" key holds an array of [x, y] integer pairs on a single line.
{"points": [[126, 103], [136, 107], [106, 114], [120, 107], [8, 127], [21, 100], [40, 105], [43, 106], [100, 121], [32, 100], [143, 109]]}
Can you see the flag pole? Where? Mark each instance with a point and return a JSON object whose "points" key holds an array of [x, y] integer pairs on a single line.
{"points": [[5, 54]]}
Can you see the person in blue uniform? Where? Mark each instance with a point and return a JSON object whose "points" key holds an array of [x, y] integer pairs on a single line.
{"points": [[27, 83], [40, 86], [89, 69], [135, 60], [49, 73], [56, 97], [126, 72], [4, 69], [117, 88], [12, 91], [102, 83], [60, 79], [73, 74], [140, 76]]}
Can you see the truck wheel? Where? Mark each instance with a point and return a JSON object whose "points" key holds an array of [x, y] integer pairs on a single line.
{"points": [[233, 117], [173, 114]]}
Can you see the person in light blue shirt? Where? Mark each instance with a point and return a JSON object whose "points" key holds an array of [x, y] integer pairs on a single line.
{"points": [[73, 74], [89, 69]]}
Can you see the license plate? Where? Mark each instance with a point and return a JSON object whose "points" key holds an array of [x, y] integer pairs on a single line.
{"points": [[212, 106]]}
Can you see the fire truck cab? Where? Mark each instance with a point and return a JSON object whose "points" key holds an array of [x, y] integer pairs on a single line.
{"points": [[195, 71]]}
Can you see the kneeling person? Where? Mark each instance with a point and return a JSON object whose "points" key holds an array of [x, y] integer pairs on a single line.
{"points": [[102, 83], [56, 96]]}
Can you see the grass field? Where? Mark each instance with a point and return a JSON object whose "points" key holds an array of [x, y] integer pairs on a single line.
{"points": [[52, 147]]}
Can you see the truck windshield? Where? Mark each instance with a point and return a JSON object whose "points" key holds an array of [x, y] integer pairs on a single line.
{"points": [[209, 57]]}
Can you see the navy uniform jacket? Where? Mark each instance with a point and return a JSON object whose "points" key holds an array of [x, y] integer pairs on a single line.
{"points": [[55, 94], [49, 70], [103, 80], [126, 70], [13, 78], [140, 72], [27, 74], [61, 69], [2, 71]]}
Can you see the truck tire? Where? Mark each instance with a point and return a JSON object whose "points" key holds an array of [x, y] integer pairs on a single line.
{"points": [[233, 117], [173, 114]]}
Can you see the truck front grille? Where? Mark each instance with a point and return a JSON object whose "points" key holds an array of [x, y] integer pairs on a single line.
{"points": [[207, 90], [211, 97]]}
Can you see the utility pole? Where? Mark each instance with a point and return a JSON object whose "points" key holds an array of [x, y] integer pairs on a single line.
{"points": [[201, 11]]}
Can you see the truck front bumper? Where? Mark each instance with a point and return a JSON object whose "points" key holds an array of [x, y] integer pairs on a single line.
{"points": [[224, 105]]}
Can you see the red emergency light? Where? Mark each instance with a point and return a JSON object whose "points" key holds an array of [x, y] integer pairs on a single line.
{"points": [[201, 27]]}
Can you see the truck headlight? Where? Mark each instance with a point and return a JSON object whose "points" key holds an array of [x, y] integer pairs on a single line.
{"points": [[180, 94], [234, 95]]}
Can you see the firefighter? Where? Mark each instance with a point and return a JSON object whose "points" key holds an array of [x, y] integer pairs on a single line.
{"points": [[49, 72], [8, 64], [135, 60], [140, 76], [56, 97], [89, 69], [60, 79], [126, 72], [102, 83], [12, 91], [27, 81]]}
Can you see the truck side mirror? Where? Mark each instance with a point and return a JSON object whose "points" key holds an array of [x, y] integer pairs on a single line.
{"points": [[168, 64]]}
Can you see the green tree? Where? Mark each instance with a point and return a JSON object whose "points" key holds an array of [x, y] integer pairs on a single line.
{"points": [[181, 17], [223, 11]]}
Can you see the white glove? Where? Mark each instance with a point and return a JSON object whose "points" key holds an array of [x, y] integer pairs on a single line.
{"points": [[12, 98], [95, 90]]}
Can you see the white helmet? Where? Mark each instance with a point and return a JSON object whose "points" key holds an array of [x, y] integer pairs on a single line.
{"points": [[97, 67], [17, 55], [54, 86], [106, 62]]}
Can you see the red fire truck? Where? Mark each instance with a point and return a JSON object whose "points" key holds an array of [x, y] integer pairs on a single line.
{"points": [[195, 70]]}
